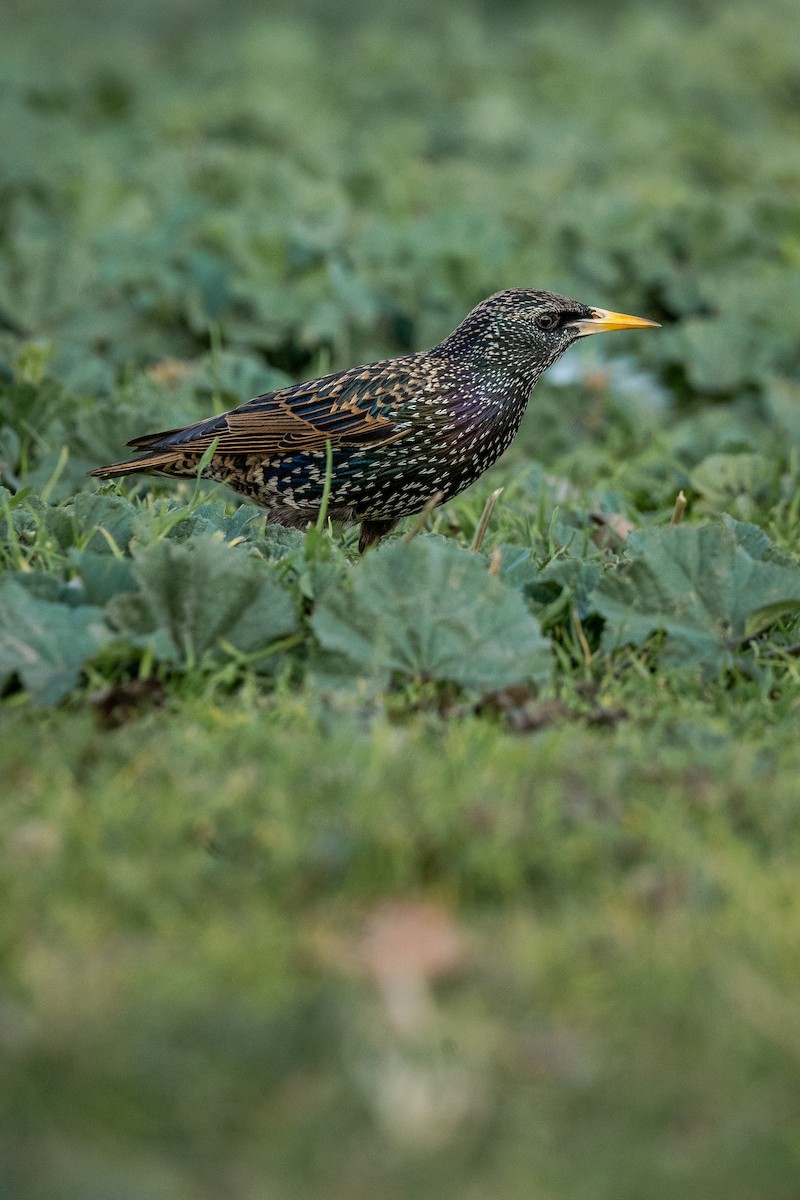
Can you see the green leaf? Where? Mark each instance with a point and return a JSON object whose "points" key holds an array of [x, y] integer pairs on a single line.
{"points": [[734, 480], [202, 592], [278, 542], [87, 515], [101, 575], [213, 517], [46, 643], [46, 586], [755, 541], [431, 609], [549, 589], [700, 586], [114, 514], [131, 618]]}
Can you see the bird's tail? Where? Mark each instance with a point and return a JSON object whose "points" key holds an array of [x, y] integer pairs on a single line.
{"points": [[169, 462]]}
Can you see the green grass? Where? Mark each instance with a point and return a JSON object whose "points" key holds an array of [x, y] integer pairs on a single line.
{"points": [[289, 911], [187, 1014]]}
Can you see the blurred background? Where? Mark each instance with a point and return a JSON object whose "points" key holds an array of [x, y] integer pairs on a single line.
{"points": [[201, 198], [345, 179]]}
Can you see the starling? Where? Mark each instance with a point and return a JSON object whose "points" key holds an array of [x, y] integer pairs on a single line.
{"points": [[398, 431]]}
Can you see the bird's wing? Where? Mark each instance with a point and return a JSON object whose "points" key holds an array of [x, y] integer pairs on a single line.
{"points": [[358, 407]]}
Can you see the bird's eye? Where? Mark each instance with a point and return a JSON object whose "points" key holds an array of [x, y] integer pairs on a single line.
{"points": [[546, 321]]}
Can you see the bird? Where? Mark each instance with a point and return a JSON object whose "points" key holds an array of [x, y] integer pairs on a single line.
{"points": [[390, 436]]}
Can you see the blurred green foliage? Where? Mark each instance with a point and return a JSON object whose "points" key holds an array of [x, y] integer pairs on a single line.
{"points": [[348, 187]]}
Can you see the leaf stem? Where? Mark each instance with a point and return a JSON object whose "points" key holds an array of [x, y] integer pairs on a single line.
{"points": [[435, 499], [326, 490], [679, 509], [782, 651], [47, 490], [486, 516], [587, 653]]}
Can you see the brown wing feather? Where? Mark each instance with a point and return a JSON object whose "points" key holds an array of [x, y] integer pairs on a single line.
{"points": [[287, 430], [355, 407]]}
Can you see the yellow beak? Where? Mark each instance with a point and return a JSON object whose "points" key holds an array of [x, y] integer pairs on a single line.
{"points": [[603, 321]]}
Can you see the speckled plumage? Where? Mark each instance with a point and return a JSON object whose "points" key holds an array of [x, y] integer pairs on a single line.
{"points": [[400, 430]]}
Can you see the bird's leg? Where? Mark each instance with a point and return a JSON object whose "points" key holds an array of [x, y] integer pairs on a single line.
{"points": [[373, 531]]}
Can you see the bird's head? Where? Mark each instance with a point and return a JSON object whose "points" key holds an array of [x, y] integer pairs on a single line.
{"points": [[526, 331]]}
